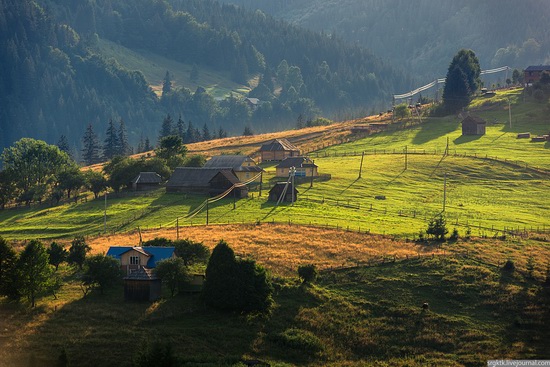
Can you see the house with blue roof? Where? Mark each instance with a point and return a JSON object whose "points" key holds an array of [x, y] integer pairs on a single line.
{"points": [[134, 258]]}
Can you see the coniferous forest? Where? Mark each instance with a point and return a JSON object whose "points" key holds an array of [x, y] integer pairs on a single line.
{"points": [[55, 82]]}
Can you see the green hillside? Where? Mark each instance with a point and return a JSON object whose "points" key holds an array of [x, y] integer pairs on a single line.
{"points": [[366, 316], [154, 67], [487, 196]]}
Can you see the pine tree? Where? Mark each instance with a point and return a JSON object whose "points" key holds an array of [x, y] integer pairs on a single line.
{"points": [[167, 127], [141, 145], [90, 151], [194, 73], [111, 142], [222, 133], [206, 133], [181, 128], [147, 146], [190, 136], [166, 84], [63, 145], [123, 146]]}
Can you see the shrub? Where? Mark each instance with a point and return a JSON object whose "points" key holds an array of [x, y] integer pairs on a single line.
{"points": [[509, 266], [192, 252], [237, 285], [437, 228], [307, 273], [454, 235]]}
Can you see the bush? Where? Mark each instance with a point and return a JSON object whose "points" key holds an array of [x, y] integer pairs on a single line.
{"points": [[454, 235], [307, 273], [437, 228], [509, 266], [237, 285], [192, 252]]}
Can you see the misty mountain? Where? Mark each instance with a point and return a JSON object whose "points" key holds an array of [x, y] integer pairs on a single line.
{"points": [[422, 36]]}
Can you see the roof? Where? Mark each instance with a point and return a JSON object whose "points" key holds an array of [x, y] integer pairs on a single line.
{"points": [[142, 274], [278, 144], [475, 119], [228, 175], [279, 187], [538, 68], [296, 162], [155, 253], [195, 176], [236, 162], [253, 100], [147, 178]]}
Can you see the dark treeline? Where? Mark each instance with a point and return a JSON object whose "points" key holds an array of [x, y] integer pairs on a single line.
{"points": [[56, 83]]}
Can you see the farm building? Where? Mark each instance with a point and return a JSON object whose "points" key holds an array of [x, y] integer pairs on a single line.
{"points": [[146, 181], [210, 181], [533, 73], [304, 167], [134, 258], [277, 190], [244, 167], [473, 125], [278, 149], [142, 285]]}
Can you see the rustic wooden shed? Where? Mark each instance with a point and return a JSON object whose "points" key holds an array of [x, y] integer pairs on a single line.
{"points": [[142, 285], [244, 167], [473, 125], [146, 181], [305, 167], [278, 149], [211, 181], [277, 190]]}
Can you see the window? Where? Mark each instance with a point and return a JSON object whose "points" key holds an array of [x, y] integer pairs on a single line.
{"points": [[134, 260]]}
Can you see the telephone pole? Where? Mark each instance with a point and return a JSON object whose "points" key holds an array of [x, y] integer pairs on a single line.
{"points": [[406, 157], [105, 215], [444, 191], [361, 167]]}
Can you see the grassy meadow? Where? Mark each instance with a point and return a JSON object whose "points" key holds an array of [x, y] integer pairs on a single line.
{"points": [[363, 316]]}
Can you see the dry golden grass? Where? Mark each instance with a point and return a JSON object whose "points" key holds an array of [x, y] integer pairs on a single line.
{"points": [[282, 248], [307, 139]]}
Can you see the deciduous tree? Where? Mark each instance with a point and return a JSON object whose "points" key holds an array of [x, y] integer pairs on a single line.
{"points": [[77, 252], [172, 272], [101, 271], [57, 254], [34, 271]]}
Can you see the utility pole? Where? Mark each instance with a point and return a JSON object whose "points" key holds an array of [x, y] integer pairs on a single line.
{"points": [[105, 215], [509, 111], [312, 170], [444, 191], [447, 147], [361, 167], [261, 180], [234, 198], [292, 174], [206, 211], [406, 157], [177, 229]]}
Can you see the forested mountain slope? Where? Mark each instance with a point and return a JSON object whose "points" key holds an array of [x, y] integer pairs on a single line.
{"points": [[423, 35], [56, 79]]}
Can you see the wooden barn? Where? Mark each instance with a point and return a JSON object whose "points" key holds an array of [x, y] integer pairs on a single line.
{"points": [[142, 285], [244, 167], [146, 181], [533, 73], [210, 181], [473, 125], [305, 167], [277, 190], [278, 149], [135, 258]]}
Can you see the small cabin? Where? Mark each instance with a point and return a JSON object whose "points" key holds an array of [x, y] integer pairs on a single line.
{"points": [[146, 181], [244, 167], [204, 180], [283, 188], [305, 167], [278, 149], [473, 125], [533, 73]]}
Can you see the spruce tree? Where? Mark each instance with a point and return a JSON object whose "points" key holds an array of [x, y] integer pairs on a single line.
{"points": [[206, 133], [111, 143], [190, 136], [123, 146], [147, 145], [462, 80], [90, 151], [181, 128], [166, 84], [167, 127], [63, 145]]}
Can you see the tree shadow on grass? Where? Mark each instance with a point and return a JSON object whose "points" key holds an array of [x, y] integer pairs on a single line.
{"points": [[106, 330], [462, 139], [432, 130]]}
